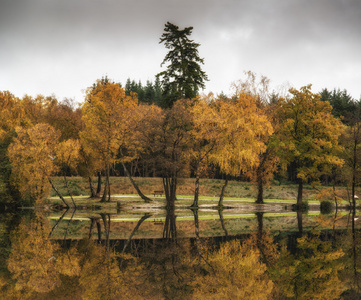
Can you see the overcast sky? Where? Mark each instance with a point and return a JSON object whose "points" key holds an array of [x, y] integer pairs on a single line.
{"points": [[61, 47]]}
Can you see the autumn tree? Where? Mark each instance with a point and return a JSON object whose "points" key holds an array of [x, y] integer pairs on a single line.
{"points": [[183, 77], [268, 160], [12, 115], [105, 114], [64, 116], [31, 155], [244, 126], [67, 158], [308, 136], [206, 134], [166, 137], [351, 141]]}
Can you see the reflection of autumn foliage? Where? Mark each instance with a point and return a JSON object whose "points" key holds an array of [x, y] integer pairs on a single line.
{"points": [[37, 262], [312, 272], [106, 275], [234, 272]]}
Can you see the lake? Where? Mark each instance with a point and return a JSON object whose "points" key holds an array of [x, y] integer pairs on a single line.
{"points": [[182, 254]]}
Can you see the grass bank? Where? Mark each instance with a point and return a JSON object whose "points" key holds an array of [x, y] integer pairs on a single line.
{"points": [[209, 191]]}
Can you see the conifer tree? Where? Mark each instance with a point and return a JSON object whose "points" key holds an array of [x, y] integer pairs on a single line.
{"points": [[183, 77]]}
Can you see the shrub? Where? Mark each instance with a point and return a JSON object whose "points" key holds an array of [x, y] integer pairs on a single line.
{"points": [[326, 207]]}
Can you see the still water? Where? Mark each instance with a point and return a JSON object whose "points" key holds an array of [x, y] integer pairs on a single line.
{"points": [[180, 255]]}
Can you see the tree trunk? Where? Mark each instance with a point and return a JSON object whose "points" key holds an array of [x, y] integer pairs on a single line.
{"points": [[299, 222], [220, 213], [99, 186], [91, 187], [299, 195], [106, 195], [58, 193], [354, 174], [146, 216], [260, 190], [170, 228], [260, 225], [145, 198], [259, 175], [220, 202], [353, 187], [57, 223], [67, 187], [170, 187], [196, 189]]}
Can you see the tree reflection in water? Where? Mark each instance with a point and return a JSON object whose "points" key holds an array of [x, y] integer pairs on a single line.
{"points": [[323, 265]]}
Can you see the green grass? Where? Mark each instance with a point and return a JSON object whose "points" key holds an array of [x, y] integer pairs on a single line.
{"points": [[236, 193]]}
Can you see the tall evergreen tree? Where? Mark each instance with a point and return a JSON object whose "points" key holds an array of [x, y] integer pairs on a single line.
{"points": [[183, 77]]}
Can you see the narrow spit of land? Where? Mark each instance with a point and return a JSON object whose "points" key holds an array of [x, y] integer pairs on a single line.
{"points": [[239, 195]]}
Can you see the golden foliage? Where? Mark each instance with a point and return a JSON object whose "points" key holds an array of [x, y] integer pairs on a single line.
{"points": [[312, 273], [68, 154], [243, 127], [35, 261], [309, 133], [235, 273], [102, 278], [106, 114], [31, 155]]}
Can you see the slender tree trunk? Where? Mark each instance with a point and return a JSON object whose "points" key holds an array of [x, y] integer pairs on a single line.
{"points": [[220, 213], [196, 231], [146, 216], [67, 227], [170, 187], [220, 202], [145, 198], [354, 165], [99, 186], [106, 195], [259, 176], [106, 221], [57, 223], [299, 195], [354, 250], [196, 189], [260, 237], [58, 193], [334, 195], [353, 189], [260, 190], [299, 222], [99, 229], [170, 229], [91, 187], [92, 222], [67, 187]]}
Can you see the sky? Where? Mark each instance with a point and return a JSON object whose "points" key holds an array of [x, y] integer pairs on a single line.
{"points": [[61, 47]]}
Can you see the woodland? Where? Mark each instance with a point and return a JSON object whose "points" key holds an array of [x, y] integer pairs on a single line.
{"points": [[168, 129]]}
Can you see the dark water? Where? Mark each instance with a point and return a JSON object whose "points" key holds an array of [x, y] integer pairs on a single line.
{"points": [[180, 255]]}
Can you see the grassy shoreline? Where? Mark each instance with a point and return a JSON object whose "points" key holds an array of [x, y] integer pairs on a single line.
{"points": [[237, 193]]}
